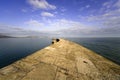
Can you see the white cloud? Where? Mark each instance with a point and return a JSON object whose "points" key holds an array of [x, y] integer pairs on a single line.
{"points": [[77, 29], [63, 9], [108, 4], [64, 24], [34, 23], [109, 18], [87, 6], [47, 14], [110, 15], [41, 4], [55, 12], [71, 28], [117, 4], [19, 31], [107, 22], [24, 10], [83, 8]]}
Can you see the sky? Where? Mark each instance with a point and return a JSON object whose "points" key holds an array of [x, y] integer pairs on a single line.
{"points": [[64, 18]]}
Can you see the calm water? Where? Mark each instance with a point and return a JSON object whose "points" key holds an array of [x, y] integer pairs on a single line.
{"points": [[107, 47], [12, 49]]}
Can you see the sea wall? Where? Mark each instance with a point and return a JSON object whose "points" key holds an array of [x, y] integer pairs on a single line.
{"points": [[62, 60]]}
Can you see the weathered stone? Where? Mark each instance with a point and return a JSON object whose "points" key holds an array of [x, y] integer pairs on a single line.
{"points": [[42, 72], [63, 60]]}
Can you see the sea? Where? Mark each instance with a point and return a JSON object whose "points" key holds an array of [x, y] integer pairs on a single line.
{"points": [[13, 49]]}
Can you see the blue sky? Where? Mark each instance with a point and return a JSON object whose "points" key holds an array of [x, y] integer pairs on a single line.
{"points": [[72, 18]]}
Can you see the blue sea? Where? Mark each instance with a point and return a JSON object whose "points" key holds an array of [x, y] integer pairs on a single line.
{"points": [[12, 49], [107, 47]]}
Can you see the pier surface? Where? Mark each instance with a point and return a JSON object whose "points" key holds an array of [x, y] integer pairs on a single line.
{"points": [[62, 60]]}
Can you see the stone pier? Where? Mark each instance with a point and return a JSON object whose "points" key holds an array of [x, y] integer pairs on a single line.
{"points": [[62, 60]]}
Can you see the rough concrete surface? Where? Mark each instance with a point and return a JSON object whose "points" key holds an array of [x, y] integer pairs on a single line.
{"points": [[63, 60]]}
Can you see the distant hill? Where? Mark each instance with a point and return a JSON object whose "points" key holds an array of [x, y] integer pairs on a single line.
{"points": [[4, 36]]}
